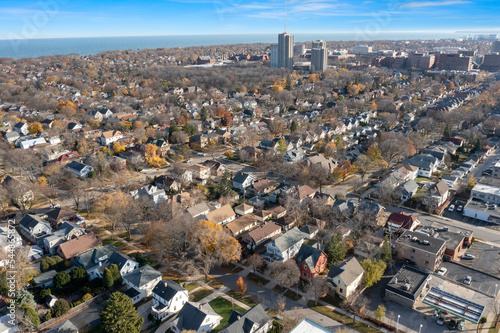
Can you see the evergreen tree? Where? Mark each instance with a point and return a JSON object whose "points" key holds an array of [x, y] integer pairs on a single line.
{"points": [[117, 276], [447, 131], [24, 297], [78, 275], [107, 278], [386, 254], [204, 113], [61, 280], [119, 315], [336, 249], [61, 307], [294, 126]]}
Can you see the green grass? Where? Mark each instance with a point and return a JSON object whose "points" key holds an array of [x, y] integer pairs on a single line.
{"points": [[292, 295], [199, 295], [310, 242], [191, 286], [224, 308], [242, 298], [333, 300], [358, 326], [109, 240], [258, 280], [118, 244], [422, 179], [123, 235]]}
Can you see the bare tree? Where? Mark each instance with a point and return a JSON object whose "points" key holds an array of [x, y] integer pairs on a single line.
{"points": [[255, 261], [286, 273], [317, 288]]}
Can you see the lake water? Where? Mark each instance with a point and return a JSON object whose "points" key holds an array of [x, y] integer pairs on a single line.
{"points": [[23, 48]]}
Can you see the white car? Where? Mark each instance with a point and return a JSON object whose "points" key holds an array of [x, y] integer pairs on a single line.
{"points": [[440, 321], [451, 208], [442, 271], [460, 208], [468, 280]]}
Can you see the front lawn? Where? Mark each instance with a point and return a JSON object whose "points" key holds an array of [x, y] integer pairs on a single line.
{"points": [[199, 295], [242, 298], [216, 284], [109, 240], [224, 308], [258, 280], [279, 289], [190, 286]]}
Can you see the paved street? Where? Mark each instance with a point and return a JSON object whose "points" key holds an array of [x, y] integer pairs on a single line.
{"points": [[88, 318]]}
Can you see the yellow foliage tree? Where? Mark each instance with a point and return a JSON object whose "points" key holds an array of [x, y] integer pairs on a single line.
{"points": [[152, 158], [41, 181], [214, 241], [118, 147], [313, 78], [35, 127], [277, 87]]}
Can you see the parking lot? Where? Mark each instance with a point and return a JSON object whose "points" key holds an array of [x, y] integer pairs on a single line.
{"points": [[456, 215], [480, 282], [487, 258]]}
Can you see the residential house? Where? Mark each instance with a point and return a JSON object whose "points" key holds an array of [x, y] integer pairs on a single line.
{"points": [[241, 225], [198, 140], [101, 114], [426, 164], [243, 180], [53, 152], [311, 261], [345, 278], [285, 246], [95, 260], [307, 325], [65, 232], [30, 143], [200, 171], [261, 234], [45, 279], [79, 169], [222, 216], [34, 228], [162, 146], [150, 192], [263, 215], [199, 211], [278, 211], [262, 187], [436, 195], [11, 137], [368, 246], [328, 164], [21, 128], [74, 247], [371, 212], [400, 221], [243, 209], [168, 298], [22, 191], [309, 231], [408, 190], [406, 286], [110, 137], [217, 169], [168, 184], [10, 238], [197, 318], [140, 282], [66, 158], [254, 320], [58, 215], [421, 249], [294, 156]]}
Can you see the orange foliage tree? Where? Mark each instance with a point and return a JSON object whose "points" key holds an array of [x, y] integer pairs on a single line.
{"points": [[35, 127]]}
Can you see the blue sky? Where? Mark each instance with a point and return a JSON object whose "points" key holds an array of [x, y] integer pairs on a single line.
{"points": [[89, 18]]}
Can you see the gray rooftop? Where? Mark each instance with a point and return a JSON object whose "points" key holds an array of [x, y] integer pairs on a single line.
{"points": [[288, 239], [142, 276], [421, 241]]}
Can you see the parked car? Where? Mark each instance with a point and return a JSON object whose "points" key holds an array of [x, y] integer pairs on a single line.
{"points": [[451, 208], [10, 216], [55, 206], [440, 321], [468, 280], [453, 324], [468, 256], [460, 208], [442, 271]]}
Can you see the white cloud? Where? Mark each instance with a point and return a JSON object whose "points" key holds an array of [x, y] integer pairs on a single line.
{"points": [[421, 4]]}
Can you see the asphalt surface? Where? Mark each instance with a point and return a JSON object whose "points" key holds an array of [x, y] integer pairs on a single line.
{"points": [[88, 318], [487, 258]]}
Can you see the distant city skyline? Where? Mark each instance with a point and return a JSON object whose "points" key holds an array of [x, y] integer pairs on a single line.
{"points": [[91, 18]]}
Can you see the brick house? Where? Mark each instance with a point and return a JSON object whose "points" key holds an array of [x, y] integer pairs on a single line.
{"points": [[311, 261]]}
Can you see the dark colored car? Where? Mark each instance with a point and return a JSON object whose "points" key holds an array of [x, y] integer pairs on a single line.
{"points": [[453, 324], [10, 216]]}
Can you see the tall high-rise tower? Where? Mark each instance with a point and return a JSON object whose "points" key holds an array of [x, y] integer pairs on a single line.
{"points": [[319, 56], [285, 51]]}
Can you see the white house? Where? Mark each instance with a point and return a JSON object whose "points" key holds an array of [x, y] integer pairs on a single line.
{"points": [[168, 298], [242, 180], [110, 137], [151, 192], [79, 169], [140, 282], [31, 143], [193, 317], [285, 246], [34, 228], [21, 128]]}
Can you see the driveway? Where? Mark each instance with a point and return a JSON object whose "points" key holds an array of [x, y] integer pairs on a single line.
{"points": [[88, 318]]}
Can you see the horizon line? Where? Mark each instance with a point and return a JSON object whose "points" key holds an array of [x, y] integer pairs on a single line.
{"points": [[249, 34]]}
